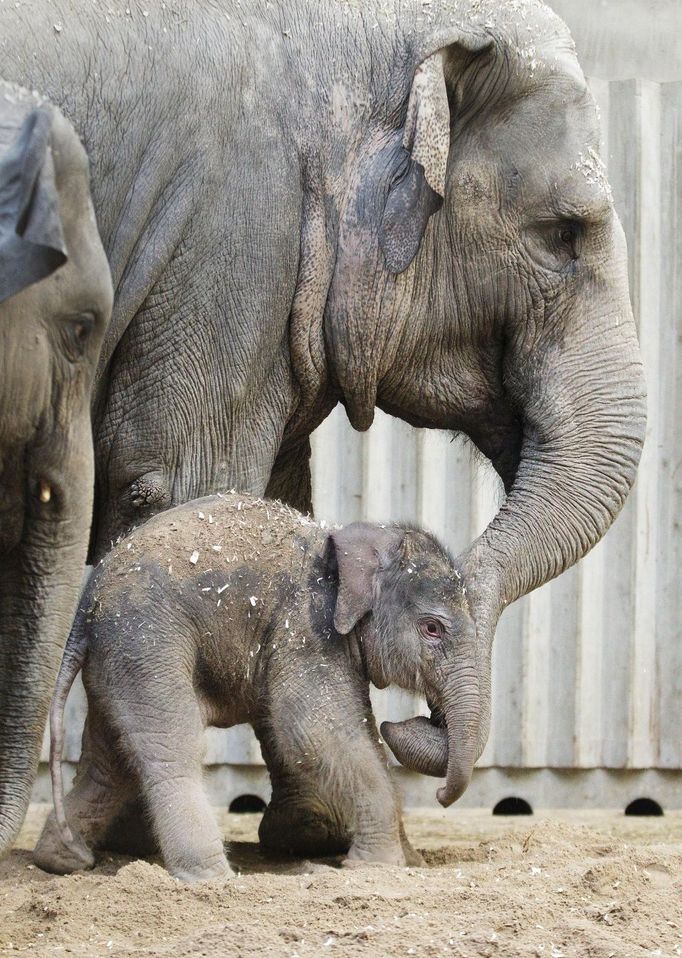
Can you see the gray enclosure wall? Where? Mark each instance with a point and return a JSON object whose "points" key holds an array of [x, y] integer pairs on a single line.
{"points": [[587, 705]]}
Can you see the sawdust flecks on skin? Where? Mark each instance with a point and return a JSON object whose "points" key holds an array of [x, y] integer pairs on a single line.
{"points": [[593, 168]]}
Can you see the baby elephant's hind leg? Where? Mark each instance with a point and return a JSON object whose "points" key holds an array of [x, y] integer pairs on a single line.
{"points": [[100, 789], [298, 822], [167, 751]]}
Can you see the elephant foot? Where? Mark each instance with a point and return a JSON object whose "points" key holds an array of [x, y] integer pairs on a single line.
{"points": [[302, 832], [413, 858], [52, 854], [220, 869], [386, 855]]}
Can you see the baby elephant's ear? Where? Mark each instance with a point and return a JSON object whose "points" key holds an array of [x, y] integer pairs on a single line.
{"points": [[361, 550], [31, 236]]}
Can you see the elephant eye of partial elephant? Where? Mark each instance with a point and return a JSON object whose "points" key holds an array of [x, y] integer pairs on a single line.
{"points": [[431, 629], [568, 235], [557, 243], [77, 331]]}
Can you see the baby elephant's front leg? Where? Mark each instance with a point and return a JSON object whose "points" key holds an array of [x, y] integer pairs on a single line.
{"points": [[378, 831], [356, 783]]}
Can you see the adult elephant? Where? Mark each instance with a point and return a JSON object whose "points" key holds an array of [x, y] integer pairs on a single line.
{"points": [[392, 204], [55, 301]]}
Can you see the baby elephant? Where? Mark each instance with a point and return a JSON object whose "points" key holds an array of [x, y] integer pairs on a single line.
{"points": [[232, 609]]}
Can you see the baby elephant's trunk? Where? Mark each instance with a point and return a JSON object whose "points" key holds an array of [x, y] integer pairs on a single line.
{"points": [[447, 749]]}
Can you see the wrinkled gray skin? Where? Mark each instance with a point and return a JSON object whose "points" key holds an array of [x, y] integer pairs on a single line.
{"points": [[55, 301], [385, 203], [278, 623]]}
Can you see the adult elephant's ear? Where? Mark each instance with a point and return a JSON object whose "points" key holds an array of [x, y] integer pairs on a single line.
{"points": [[31, 236], [418, 186], [360, 550]]}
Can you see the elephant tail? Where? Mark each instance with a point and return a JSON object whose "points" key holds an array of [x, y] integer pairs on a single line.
{"points": [[72, 663]]}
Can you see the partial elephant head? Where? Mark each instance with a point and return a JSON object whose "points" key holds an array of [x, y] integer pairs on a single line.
{"points": [[55, 302], [399, 590], [481, 286]]}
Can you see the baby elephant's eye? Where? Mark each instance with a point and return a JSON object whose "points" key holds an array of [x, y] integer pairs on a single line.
{"points": [[431, 629]]}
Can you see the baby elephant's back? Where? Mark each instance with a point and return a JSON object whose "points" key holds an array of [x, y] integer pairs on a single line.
{"points": [[193, 550]]}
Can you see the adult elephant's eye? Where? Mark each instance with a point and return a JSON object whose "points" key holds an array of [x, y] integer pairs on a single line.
{"points": [[431, 629], [77, 330], [568, 236]]}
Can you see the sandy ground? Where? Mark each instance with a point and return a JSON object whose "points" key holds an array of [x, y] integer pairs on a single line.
{"points": [[559, 884]]}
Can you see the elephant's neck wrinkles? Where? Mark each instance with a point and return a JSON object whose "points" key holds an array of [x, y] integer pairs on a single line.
{"points": [[358, 654]]}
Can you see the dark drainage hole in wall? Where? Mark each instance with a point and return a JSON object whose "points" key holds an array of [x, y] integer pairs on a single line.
{"points": [[644, 806], [512, 806], [247, 803]]}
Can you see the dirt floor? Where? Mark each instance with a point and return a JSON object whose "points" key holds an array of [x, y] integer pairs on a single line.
{"points": [[552, 885]]}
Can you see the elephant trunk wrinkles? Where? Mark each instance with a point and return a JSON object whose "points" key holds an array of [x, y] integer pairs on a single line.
{"points": [[584, 426], [448, 752], [418, 745], [462, 718], [39, 587], [24, 697]]}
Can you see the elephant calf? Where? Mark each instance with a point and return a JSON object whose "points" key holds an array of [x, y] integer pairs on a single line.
{"points": [[233, 609]]}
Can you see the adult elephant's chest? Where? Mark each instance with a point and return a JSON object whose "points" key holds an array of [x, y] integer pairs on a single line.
{"points": [[195, 401], [198, 390]]}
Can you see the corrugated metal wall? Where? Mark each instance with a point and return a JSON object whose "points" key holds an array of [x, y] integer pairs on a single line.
{"points": [[588, 670]]}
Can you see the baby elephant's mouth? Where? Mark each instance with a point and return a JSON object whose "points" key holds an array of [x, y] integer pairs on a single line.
{"points": [[437, 717], [420, 743]]}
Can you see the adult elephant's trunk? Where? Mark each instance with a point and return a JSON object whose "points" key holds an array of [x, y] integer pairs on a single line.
{"points": [[39, 586], [579, 457], [580, 387]]}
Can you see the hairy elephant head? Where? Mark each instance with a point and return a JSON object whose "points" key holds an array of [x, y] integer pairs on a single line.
{"points": [[55, 302], [399, 590], [483, 268]]}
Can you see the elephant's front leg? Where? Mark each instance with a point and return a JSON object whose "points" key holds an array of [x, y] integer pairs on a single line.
{"points": [[334, 795], [378, 834], [290, 480], [297, 820]]}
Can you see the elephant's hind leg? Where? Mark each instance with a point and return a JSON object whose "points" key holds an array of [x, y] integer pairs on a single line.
{"points": [[167, 753], [100, 790], [299, 823], [130, 832]]}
